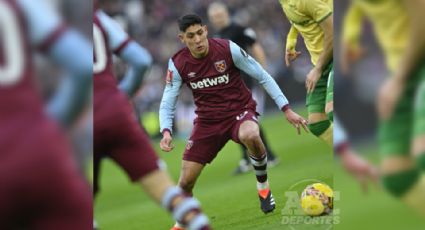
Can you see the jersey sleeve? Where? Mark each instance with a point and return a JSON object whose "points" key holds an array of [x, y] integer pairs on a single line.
{"points": [[291, 39], [44, 23], [169, 99], [117, 37], [247, 64], [139, 60], [74, 88], [318, 10], [352, 25]]}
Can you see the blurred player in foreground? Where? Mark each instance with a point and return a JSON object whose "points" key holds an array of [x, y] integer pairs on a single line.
{"points": [[41, 187], [224, 105], [351, 161], [399, 29], [314, 21], [245, 38], [116, 132]]}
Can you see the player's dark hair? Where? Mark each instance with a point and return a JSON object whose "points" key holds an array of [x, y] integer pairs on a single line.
{"points": [[188, 20]]}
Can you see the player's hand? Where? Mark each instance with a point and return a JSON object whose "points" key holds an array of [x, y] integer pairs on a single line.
{"points": [[166, 142], [296, 120], [290, 56], [389, 94], [360, 169], [312, 77], [349, 55]]}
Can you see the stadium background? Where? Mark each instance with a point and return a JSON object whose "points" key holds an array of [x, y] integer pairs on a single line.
{"points": [[153, 24]]}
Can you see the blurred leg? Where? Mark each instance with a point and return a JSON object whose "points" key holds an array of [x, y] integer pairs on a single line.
{"points": [[400, 174]]}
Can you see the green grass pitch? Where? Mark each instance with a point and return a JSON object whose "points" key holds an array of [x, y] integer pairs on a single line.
{"points": [[231, 202]]}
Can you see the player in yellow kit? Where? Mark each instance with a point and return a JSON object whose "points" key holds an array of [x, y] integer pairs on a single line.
{"points": [[399, 29], [313, 20]]}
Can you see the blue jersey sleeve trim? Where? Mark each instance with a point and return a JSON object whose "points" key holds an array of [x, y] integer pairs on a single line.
{"points": [[169, 98]]}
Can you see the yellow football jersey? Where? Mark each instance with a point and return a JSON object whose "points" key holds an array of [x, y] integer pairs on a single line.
{"points": [[390, 23], [305, 17]]}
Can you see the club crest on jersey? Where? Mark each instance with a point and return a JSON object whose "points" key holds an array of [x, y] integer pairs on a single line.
{"points": [[220, 66], [169, 78], [189, 144]]}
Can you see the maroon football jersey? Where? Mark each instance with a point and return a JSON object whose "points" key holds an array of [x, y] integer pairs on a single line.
{"points": [[19, 98], [41, 187], [218, 89], [104, 80], [106, 90]]}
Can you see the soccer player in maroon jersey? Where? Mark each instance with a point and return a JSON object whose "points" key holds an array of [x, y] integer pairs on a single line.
{"points": [[224, 106], [246, 38], [40, 185], [116, 132]]}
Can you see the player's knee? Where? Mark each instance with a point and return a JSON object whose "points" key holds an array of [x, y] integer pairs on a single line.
{"points": [[317, 117], [249, 135], [318, 128], [329, 110], [399, 183], [329, 107]]}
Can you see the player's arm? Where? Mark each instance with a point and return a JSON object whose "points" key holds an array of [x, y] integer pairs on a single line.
{"points": [[321, 13], [139, 61], [416, 46], [327, 53], [291, 42], [168, 105], [411, 58], [256, 49], [246, 63], [137, 57], [68, 49], [75, 55], [350, 43]]}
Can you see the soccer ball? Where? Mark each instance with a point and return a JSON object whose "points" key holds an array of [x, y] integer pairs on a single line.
{"points": [[317, 199]]}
